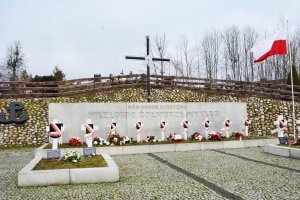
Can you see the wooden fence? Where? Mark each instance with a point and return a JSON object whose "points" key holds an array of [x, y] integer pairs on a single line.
{"points": [[92, 85]]}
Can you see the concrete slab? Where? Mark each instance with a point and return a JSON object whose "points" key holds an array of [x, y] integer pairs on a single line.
{"points": [[136, 149], [29, 177], [251, 143], [162, 148], [116, 150], [233, 144], [187, 147], [211, 145], [96, 175], [277, 150], [295, 153]]}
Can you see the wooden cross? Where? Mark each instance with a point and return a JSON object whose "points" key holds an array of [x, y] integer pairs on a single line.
{"points": [[147, 58]]}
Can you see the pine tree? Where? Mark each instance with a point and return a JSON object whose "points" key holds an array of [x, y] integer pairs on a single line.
{"points": [[296, 79]]}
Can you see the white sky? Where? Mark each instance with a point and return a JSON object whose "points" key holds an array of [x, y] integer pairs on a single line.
{"points": [[94, 36]]}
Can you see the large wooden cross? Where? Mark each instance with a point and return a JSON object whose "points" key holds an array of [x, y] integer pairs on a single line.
{"points": [[147, 58]]}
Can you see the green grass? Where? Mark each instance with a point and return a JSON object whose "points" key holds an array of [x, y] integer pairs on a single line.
{"points": [[291, 146], [86, 162], [134, 143], [66, 145], [15, 147]]}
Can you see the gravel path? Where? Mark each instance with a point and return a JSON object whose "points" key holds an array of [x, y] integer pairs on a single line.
{"points": [[143, 177]]}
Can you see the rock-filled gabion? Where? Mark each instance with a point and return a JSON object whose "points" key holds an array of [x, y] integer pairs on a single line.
{"points": [[262, 112]]}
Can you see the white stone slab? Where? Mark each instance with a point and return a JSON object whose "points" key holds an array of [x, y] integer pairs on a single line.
{"points": [[150, 114], [272, 141], [216, 113], [211, 145], [40, 152], [295, 153], [73, 115], [277, 150], [251, 143], [96, 175], [116, 150], [136, 149], [262, 142], [233, 144], [156, 148], [187, 146], [28, 177], [103, 150]]}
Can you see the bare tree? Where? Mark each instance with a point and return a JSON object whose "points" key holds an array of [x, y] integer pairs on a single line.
{"points": [[160, 50], [184, 59], [231, 39], [15, 60], [209, 51], [249, 37]]}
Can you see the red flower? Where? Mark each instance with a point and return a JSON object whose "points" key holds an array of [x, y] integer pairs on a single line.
{"points": [[216, 136]]}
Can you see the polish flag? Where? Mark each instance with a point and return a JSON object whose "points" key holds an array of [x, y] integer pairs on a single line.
{"points": [[273, 45]]}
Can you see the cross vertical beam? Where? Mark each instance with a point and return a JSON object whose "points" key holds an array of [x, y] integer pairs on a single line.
{"points": [[148, 59]]}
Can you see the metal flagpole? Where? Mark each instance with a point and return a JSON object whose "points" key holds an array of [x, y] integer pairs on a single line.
{"points": [[292, 81]]}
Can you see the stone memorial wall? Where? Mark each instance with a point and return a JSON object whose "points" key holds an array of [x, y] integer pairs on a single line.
{"points": [[150, 114], [261, 111]]}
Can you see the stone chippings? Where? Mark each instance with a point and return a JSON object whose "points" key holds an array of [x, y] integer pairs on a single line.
{"points": [[246, 179], [143, 177], [262, 112]]}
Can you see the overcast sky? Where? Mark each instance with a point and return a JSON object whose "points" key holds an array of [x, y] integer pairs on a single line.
{"points": [[93, 36]]}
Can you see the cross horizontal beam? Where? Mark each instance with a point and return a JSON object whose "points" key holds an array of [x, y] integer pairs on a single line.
{"points": [[143, 58], [135, 58], [160, 59]]}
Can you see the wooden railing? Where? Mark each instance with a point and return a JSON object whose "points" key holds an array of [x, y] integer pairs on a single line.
{"points": [[92, 85]]}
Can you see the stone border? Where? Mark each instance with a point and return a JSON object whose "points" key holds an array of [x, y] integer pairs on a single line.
{"points": [[139, 149], [282, 151], [29, 177]]}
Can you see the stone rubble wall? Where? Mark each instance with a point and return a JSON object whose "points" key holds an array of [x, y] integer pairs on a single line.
{"points": [[262, 112]]}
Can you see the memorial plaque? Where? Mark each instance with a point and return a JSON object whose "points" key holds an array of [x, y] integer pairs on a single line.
{"points": [[89, 151], [216, 113], [150, 114], [53, 154]]}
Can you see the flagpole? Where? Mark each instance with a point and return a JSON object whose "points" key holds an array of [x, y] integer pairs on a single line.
{"points": [[292, 81]]}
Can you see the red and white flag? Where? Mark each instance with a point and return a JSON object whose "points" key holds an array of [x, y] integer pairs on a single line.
{"points": [[273, 45]]}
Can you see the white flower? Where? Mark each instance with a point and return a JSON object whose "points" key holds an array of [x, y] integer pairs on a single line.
{"points": [[95, 142]]}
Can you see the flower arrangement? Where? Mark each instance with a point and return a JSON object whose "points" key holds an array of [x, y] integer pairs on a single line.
{"points": [[216, 136], [197, 136], [100, 141], [74, 141], [175, 137], [72, 156], [116, 139], [237, 134], [152, 138]]}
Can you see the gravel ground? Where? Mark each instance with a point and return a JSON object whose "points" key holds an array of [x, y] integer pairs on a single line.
{"points": [[246, 179], [143, 177]]}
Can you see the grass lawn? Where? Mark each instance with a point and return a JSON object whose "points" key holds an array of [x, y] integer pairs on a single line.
{"points": [[86, 162], [25, 147], [291, 146], [65, 145]]}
